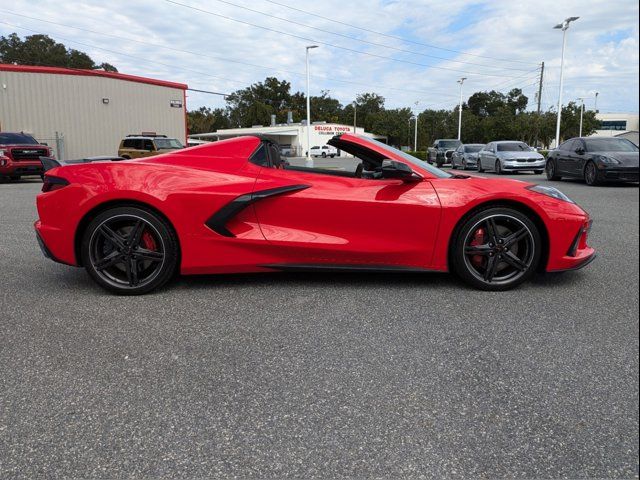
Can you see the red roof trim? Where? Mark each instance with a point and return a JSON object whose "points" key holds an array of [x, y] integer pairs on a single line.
{"points": [[7, 67]]}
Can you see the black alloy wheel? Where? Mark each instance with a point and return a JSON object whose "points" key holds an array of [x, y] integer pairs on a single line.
{"points": [[497, 249], [130, 250], [551, 170], [591, 174]]}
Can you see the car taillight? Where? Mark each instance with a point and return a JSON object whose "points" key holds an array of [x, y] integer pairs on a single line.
{"points": [[53, 183]]}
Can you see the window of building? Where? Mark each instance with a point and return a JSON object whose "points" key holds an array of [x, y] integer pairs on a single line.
{"points": [[613, 125]]}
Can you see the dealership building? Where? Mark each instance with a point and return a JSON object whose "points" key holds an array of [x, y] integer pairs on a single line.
{"points": [[83, 113], [623, 125], [292, 137]]}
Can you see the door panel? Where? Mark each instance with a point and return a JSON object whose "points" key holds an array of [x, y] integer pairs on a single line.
{"points": [[563, 158], [346, 220]]}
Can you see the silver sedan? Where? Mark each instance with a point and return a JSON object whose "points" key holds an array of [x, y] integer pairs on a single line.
{"points": [[466, 156], [510, 156]]}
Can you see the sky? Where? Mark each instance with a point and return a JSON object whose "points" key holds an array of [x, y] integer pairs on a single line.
{"points": [[412, 52]]}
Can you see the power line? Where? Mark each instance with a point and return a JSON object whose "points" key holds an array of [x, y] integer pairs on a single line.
{"points": [[223, 59], [294, 22], [395, 37], [307, 39]]}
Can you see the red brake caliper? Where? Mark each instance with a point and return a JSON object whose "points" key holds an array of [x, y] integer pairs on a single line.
{"points": [[148, 241], [478, 239]]}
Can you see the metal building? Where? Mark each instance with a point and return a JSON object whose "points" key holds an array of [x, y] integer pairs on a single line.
{"points": [[84, 113]]}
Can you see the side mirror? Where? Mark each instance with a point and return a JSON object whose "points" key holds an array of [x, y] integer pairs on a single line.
{"points": [[399, 170]]}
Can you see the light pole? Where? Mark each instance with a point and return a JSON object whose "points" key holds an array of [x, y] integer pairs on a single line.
{"points": [[595, 107], [354, 117], [309, 161], [563, 26], [581, 112], [461, 81], [415, 133]]}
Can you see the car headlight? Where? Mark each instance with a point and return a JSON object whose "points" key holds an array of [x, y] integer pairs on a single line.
{"points": [[607, 160], [2, 152], [550, 192]]}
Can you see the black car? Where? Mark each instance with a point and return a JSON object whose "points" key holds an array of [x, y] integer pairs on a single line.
{"points": [[595, 159]]}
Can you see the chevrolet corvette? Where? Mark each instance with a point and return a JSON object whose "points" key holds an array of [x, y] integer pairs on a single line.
{"points": [[236, 206]]}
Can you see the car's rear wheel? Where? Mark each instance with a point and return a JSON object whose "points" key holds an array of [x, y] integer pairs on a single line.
{"points": [[497, 249], [130, 250], [591, 174], [552, 170]]}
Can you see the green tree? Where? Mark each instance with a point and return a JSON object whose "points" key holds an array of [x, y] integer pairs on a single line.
{"points": [[206, 120], [45, 51]]}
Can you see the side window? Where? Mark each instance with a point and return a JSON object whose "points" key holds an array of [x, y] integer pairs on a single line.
{"points": [[148, 145], [566, 146], [129, 143], [260, 157]]}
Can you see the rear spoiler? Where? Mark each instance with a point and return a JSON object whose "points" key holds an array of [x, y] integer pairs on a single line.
{"points": [[48, 163]]}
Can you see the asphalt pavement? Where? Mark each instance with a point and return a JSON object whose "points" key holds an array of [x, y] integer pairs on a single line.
{"points": [[323, 375]]}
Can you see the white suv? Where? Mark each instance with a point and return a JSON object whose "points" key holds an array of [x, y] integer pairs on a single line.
{"points": [[324, 151]]}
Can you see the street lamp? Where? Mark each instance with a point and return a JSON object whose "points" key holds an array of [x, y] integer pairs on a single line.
{"points": [[461, 81], [595, 107], [581, 112], [309, 161], [563, 26], [415, 134]]}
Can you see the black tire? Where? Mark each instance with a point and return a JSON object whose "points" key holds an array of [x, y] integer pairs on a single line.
{"points": [[126, 157], [498, 168], [130, 250], [552, 170], [591, 177], [497, 262], [324, 155]]}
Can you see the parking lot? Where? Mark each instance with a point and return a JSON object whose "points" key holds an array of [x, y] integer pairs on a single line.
{"points": [[323, 375]]}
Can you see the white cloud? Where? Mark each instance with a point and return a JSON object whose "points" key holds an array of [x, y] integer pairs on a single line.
{"points": [[602, 48]]}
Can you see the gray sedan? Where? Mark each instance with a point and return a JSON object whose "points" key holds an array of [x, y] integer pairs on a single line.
{"points": [[510, 156], [466, 156]]}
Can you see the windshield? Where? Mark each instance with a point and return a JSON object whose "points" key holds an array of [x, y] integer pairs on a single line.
{"points": [[448, 144], [513, 147], [167, 143], [610, 145], [411, 159], [17, 139], [472, 148]]}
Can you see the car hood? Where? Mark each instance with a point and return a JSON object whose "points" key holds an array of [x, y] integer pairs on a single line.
{"points": [[509, 155], [628, 159]]}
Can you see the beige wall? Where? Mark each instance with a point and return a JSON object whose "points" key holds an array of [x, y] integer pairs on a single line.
{"points": [[43, 104]]}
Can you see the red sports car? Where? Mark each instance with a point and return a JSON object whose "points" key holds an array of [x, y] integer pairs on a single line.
{"points": [[236, 206]]}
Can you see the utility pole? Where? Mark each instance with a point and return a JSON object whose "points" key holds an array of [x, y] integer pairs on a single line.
{"points": [[596, 105], [539, 103], [540, 89], [415, 136]]}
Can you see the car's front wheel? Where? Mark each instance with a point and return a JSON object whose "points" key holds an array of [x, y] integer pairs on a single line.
{"points": [[498, 167], [496, 249], [130, 250], [591, 174]]}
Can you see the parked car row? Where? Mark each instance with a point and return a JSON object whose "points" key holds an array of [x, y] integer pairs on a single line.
{"points": [[593, 159]]}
